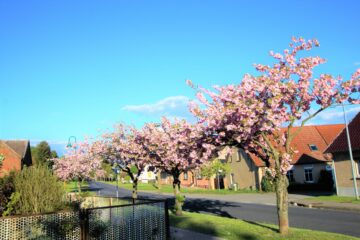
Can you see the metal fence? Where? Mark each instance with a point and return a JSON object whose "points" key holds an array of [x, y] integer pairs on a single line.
{"points": [[142, 220]]}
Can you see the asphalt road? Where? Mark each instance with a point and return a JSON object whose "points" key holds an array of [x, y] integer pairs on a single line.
{"points": [[344, 222]]}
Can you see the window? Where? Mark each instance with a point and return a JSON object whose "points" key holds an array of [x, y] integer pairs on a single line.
{"points": [[357, 162], [198, 176], [290, 176], [313, 147], [309, 174], [186, 177]]}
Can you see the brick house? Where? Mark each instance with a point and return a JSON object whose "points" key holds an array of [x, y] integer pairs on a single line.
{"points": [[340, 152], [15, 154]]}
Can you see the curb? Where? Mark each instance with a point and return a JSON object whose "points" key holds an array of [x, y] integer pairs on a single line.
{"points": [[322, 206]]}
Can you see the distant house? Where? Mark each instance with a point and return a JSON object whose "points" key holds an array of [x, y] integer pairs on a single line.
{"points": [[15, 154], [340, 151], [247, 170], [147, 176]]}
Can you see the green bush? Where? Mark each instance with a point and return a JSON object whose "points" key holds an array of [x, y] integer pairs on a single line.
{"points": [[267, 183], [7, 188], [39, 191]]}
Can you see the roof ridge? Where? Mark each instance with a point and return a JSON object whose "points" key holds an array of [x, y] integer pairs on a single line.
{"points": [[344, 131], [322, 137]]}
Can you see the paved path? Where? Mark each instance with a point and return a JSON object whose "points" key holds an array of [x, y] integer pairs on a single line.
{"points": [[344, 222]]}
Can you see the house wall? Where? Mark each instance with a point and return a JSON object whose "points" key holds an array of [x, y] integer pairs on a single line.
{"points": [[345, 183], [12, 161], [191, 180], [299, 172], [243, 171]]}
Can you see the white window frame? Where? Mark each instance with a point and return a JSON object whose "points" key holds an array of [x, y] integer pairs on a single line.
{"points": [[312, 174]]}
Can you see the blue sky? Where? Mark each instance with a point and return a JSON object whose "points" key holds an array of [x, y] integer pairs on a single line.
{"points": [[77, 67]]}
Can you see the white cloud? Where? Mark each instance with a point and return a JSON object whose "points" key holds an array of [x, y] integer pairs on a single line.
{"points": [[338, 113], [357, 63], [172, 107], [335, 115]]}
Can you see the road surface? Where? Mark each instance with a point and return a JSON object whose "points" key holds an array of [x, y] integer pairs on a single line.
{"points": [[343, 222]]}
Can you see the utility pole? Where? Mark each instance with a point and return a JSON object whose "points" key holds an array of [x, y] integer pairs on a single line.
{"points": [[351, 156]]}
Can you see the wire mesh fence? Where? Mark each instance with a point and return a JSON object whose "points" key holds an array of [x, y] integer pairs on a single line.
{"points": [[141, 220]]}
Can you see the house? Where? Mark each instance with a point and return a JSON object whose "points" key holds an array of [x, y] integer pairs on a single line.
{"points": [[310, 160], [147, 175], [247, 170], [339, 150], [15, 154]]}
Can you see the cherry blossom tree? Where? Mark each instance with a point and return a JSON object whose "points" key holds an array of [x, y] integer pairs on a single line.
{"points": [[250, 114], [175, 148], [121, 149], [78, 163]]}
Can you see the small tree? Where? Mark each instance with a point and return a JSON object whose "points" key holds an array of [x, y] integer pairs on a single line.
{"points": [[250, 115], [43, 153], [176, 148], [78, 163], [122, 150], [215, 168]]}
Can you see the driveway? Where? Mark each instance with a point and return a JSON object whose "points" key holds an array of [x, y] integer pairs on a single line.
{"points": [[258, 208]]}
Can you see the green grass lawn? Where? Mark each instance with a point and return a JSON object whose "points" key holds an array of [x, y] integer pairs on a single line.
{"points": [[235, 229], [169, 189], [72, 187], [335, 198]]}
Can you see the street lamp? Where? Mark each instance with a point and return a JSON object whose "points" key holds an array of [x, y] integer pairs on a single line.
{"points": [[69, 145]]}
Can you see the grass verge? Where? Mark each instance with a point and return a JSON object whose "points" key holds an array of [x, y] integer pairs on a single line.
{"points": [[234, 229], [72, 187], [335, 198], [169, 189]]}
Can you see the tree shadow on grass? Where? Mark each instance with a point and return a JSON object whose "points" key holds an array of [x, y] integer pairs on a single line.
{"points": [[208, 228], [262, 225]]}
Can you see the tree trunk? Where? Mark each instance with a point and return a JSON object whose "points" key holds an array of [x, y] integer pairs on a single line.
{"points": [[78, 183], [281, 184], [178, 198], [159, 180]]}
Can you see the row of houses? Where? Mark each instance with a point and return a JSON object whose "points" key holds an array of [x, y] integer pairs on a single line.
{"points": [[320, 148]]}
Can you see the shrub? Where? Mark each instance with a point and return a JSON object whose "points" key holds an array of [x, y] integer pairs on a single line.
{"points": [[267, 183], [39, 190], [7, 188]]}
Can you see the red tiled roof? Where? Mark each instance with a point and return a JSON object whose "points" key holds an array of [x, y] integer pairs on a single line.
{"points": [[320, 136], [256, 160], [340, 144]]}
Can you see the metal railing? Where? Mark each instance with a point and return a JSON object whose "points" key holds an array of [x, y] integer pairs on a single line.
{"points": [[144, 219]]}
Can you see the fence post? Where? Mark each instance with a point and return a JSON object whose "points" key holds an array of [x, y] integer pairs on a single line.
{"points": [[167, 221], [84, 224]]}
